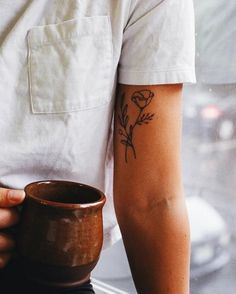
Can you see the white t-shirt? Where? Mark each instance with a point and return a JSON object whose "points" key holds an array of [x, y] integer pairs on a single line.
{"points": [[59, 65]]}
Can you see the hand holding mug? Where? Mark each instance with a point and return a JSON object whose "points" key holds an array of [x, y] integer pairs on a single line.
{"points": [[9, 216]]}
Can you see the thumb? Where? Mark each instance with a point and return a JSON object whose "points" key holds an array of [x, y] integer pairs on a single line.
{"points": [[10, 197]]}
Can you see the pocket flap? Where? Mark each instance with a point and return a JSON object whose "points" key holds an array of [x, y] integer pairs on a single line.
{"points": [[95, 25]]}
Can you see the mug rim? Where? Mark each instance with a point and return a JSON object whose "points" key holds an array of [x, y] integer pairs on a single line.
{"points": [[63, 205]]}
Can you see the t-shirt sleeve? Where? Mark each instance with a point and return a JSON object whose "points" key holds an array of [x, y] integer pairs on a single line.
{"points": [[158, 43]]}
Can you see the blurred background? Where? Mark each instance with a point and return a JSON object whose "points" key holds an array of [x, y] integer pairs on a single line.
{"points": [[209, 160]]}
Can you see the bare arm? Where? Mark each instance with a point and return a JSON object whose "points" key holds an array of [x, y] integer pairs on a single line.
{"points": [[148, 191]]}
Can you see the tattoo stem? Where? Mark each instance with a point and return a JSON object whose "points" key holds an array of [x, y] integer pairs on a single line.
{"points": [[141, 99]]}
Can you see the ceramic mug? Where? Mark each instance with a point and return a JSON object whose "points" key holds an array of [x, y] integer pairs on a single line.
{"points": [[60, 234]]}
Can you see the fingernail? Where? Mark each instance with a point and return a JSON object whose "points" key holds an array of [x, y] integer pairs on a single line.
{"points": [[16, 195]]}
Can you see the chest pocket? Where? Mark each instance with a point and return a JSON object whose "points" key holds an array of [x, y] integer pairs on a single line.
{"points": [[70, 65]]}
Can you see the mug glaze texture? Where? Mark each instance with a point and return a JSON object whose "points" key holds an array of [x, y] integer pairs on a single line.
{"points": [[60, 234]]}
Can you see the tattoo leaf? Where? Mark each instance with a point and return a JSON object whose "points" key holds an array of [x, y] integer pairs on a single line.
{"points": [[131, 130], [145, 118], [122, 99], [126, 121], [120, 120], [124, 111], [125, 142]]}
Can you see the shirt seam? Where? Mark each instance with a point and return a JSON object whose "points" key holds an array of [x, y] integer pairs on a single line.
{"points": [[35, 45], [156, 70]]}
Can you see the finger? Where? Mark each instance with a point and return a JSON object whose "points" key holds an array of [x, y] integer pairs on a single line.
{"points": [[8, 217], [6, 242], [9, 197], [4, 259]]}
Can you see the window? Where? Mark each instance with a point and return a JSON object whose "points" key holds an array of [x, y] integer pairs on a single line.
{"points": [[208, 156], [209, 149]]}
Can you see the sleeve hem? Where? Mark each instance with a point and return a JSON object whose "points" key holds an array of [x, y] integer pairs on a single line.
{"points": [[158, 77]]}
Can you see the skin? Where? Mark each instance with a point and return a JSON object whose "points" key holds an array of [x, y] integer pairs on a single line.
{"points": [[9, 216], [148, 190]]}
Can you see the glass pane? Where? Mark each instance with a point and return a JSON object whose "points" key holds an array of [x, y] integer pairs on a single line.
{"points": [[209, 149]]}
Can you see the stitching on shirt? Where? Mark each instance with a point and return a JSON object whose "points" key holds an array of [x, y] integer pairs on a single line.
{"points": [[162, 70], [101, 34], [78, 108], [71, 38], [129, 15], [140, 17], [30, 76]]}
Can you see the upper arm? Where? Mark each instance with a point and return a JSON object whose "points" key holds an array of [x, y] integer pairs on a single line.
{"points": [[147, 142], [147, 137]]}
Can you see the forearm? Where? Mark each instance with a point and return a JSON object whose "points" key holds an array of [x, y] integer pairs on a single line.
{"points": [[157, 245]]}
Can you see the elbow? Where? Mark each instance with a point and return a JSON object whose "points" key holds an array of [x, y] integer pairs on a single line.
{"points": [[148, 205]]}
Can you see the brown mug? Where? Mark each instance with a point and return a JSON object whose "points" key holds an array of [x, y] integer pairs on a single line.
{"points": [[60, 234]]}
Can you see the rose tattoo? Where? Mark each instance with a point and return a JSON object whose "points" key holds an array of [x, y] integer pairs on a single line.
{"points": [[141, 99]]}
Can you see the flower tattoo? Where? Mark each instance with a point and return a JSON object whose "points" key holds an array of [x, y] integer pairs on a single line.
{"points": [[141, 99]]}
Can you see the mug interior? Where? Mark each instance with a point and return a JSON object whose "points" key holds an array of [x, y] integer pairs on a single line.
{"points": [[63, 192]]}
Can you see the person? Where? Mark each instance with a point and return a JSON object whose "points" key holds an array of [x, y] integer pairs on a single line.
{"points": [[91, 92]]}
